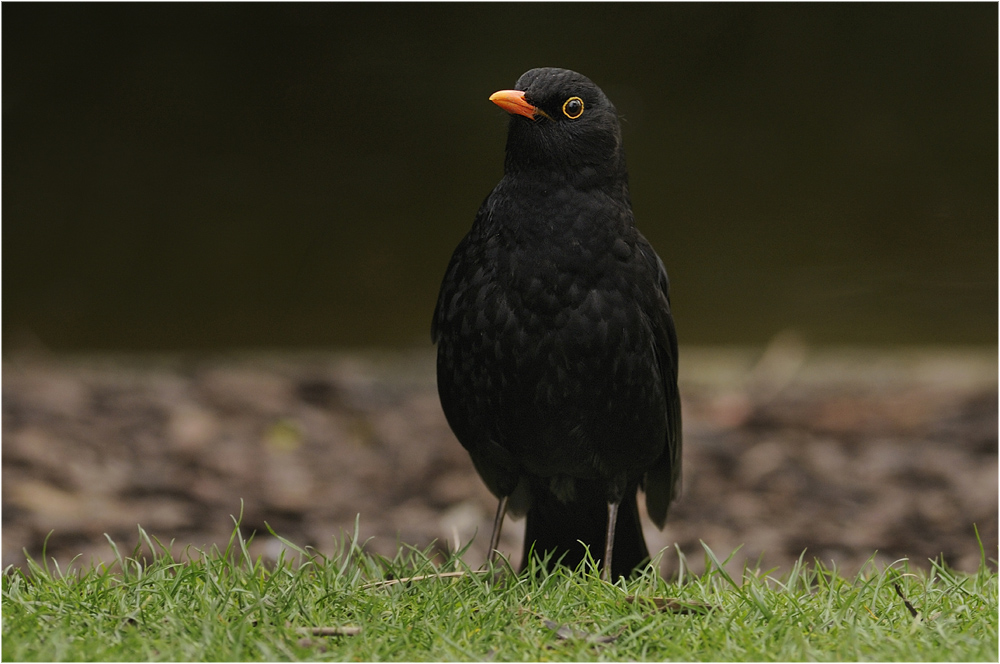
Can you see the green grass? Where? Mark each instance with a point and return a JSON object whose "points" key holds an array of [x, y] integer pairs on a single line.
{"points": [[226, 606]]}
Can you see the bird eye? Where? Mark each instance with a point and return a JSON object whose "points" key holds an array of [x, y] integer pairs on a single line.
{"points": [[573, 108]]}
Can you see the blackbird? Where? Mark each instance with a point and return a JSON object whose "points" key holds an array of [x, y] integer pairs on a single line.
{"points": [[556, 349]]}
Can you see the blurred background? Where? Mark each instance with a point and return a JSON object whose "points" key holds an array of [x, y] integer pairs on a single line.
{"points": [[256, 175], [200, 179]]}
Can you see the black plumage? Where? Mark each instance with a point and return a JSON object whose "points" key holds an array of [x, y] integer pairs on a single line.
{"points": [[557, 356]]}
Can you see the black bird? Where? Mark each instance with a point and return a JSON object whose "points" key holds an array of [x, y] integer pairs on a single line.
{"points": [[557, 356]]}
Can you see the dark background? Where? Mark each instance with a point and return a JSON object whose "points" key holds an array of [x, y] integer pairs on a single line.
{"points": [[249, 175]]}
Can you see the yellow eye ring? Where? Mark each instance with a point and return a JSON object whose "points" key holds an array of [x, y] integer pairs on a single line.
{"points": [[572, 108]]}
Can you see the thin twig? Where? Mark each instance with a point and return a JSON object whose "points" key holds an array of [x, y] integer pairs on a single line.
{"points": [[672, 605], [899, 591], [423, 577], [347, 630]]}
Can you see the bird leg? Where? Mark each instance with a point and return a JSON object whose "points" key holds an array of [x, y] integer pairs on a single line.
{"points": [[609, 541], [497, 525]]}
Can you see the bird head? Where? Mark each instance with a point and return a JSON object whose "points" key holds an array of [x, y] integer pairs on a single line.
{"points": [[562, 123]]}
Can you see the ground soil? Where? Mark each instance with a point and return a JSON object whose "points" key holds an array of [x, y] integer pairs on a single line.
{"points": [[839, 453]]}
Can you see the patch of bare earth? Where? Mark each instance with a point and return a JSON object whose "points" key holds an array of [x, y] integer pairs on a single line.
{"points": [[838, 452]]}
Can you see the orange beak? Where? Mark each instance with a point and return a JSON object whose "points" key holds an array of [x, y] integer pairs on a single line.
{"points": [[513, 101]]}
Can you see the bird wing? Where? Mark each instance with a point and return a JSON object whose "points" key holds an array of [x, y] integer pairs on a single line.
{"points": [[663, 479]]}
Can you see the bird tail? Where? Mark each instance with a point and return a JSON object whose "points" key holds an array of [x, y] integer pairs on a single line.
{"points": [[558, 528]]}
